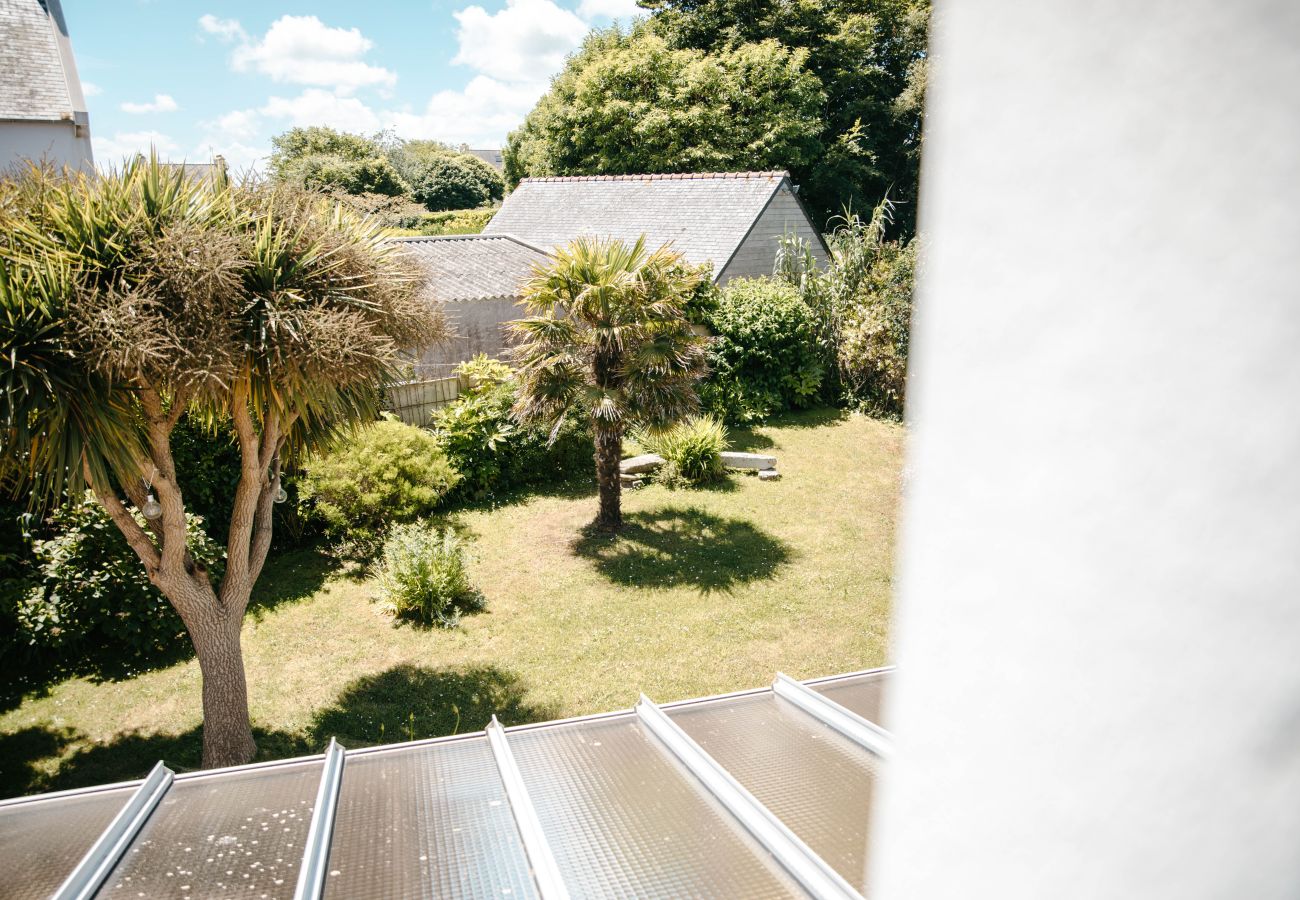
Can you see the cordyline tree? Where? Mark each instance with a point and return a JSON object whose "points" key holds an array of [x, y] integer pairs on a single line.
{"points": [[608, 340], [132, 299]]}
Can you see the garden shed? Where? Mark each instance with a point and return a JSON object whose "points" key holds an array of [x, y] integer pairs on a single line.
{"points": [[732, 221], [477, 279], [762, 793]]}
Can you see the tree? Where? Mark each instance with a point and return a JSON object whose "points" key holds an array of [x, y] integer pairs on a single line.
{"points": [[131, 299], [631, 103], [864, 61], [451, 180], [608, 340], [320, 157]]}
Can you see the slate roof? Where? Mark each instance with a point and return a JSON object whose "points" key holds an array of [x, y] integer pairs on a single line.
{"points": [[38, 78], [704, 216], [764, 793], [474, 266]]}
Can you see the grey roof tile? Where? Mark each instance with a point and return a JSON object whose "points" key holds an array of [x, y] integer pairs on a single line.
{"points": [[703, 216], [34, 77], [474, 266]]}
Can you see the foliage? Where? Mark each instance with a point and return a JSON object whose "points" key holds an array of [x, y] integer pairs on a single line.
{"points": [[390, 211], [692, 450], [609, 342], [452, 221], [378, 475], [93, 601], [424, 576], [321, 158], [870, 59], [491, 451], [452, 181], [631, 103], [16, 576], [764, 356]]}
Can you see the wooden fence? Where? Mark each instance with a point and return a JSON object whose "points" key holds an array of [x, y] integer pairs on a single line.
{"points": [[415, 401]]}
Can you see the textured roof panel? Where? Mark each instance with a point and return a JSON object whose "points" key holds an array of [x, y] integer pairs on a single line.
{"points": [[474, 266], [703, 216], [33, 83]]}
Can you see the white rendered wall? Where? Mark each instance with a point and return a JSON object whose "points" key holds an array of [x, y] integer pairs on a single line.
{"points": [[1098, 625], [54, 142]]}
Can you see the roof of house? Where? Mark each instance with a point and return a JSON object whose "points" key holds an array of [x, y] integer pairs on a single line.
{"points": [[759, 793], [704, 216], [474, 266], [38, 76]]}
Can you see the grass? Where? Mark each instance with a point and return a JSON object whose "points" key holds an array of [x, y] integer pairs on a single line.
{"points": [[704, 591]]}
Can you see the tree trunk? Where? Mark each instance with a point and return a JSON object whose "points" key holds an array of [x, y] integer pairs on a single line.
{"points": [[609, 453], [214, 628]]}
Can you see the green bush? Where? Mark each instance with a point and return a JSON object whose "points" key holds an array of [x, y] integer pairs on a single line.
{"points": [[16, 577], [493, 453], [383, 474], [876, 334], [765, 356], [423, 576], [92, 604], [692, 450], [452, 221], [454, 181]]}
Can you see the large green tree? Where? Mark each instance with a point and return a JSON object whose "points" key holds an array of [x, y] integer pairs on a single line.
{"points": [[132, 299], [830, 89], [609, 341]]}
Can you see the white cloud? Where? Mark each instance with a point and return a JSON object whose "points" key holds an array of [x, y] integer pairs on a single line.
{"points": [[110, 152], [317, 107], [524, 42], [236, 125], [160, 103], [480, 115], [225, 30], [304, 50], [613, 9], [90, 89]]}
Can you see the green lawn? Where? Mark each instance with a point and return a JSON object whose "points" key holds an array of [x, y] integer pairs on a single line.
{"points": [[705, 591]]}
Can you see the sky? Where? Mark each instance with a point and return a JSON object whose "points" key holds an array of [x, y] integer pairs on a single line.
{"points": [[194, 79]]}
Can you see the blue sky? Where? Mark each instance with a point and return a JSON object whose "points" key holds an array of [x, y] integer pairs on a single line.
{"points": [[224, 76]]}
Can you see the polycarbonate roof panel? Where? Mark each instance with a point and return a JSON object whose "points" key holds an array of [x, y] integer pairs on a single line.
{"points": [[862, 694], [426, 821], [623, 819], [41, 842], [236, 834], [816, 781]]}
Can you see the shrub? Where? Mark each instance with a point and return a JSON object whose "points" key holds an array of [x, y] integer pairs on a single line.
{"points": [[876, 335], [423, 576], [376, 476], [16, 577], [493, 453], [92, 601], [765, 356], [454, 181], [452, 221], [692, 450]]}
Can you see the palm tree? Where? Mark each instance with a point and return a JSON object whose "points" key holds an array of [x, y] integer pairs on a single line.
{"points": [[132, 299], [608, 340]]}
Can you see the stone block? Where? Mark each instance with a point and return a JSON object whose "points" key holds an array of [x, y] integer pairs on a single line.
{"points": [[769, 475], [752, 461], [646, 462]]}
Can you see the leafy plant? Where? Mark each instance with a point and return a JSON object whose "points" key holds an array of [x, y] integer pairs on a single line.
{"points": [[765, 356], [376, 476], [424, 576], [483, 371], [93, 604], [692, 450]]}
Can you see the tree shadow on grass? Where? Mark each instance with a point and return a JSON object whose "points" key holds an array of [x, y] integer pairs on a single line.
{"points": [[677, 546], [402, 703]]}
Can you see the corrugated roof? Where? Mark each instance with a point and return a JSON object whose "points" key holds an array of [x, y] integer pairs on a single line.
{"points": [[762, 793], [704, 216], [474, 266], [38, 79]]}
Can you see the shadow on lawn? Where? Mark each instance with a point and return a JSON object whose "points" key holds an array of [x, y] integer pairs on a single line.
{"points": [[675, 546], [400, 704]]}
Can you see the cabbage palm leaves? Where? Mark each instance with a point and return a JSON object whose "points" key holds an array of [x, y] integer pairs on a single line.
{"points": [[608, 341], [132, 299]]}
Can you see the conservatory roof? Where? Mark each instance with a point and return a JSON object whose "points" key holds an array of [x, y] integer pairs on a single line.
{"points": [[763, 793]]}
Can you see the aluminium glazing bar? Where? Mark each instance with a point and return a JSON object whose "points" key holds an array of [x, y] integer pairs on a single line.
{"points": [[316, 850], [828, 712], [809, 869], [105, 853], [550, 886]]}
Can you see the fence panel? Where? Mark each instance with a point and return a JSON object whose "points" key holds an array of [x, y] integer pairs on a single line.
{"points": [[415, 401]]}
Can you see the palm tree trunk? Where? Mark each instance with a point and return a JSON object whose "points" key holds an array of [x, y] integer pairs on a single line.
{"points": [[609, 452]]}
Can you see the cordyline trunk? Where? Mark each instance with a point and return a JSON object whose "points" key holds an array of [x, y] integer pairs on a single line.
{"points": [[608, 435], [213, 616]]}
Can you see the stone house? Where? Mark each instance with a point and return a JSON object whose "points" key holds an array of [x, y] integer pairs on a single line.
{"points": [[43, 112]]}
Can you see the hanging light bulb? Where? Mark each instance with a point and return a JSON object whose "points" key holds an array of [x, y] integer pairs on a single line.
{"points": [[281, 495], [152, 509]]}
